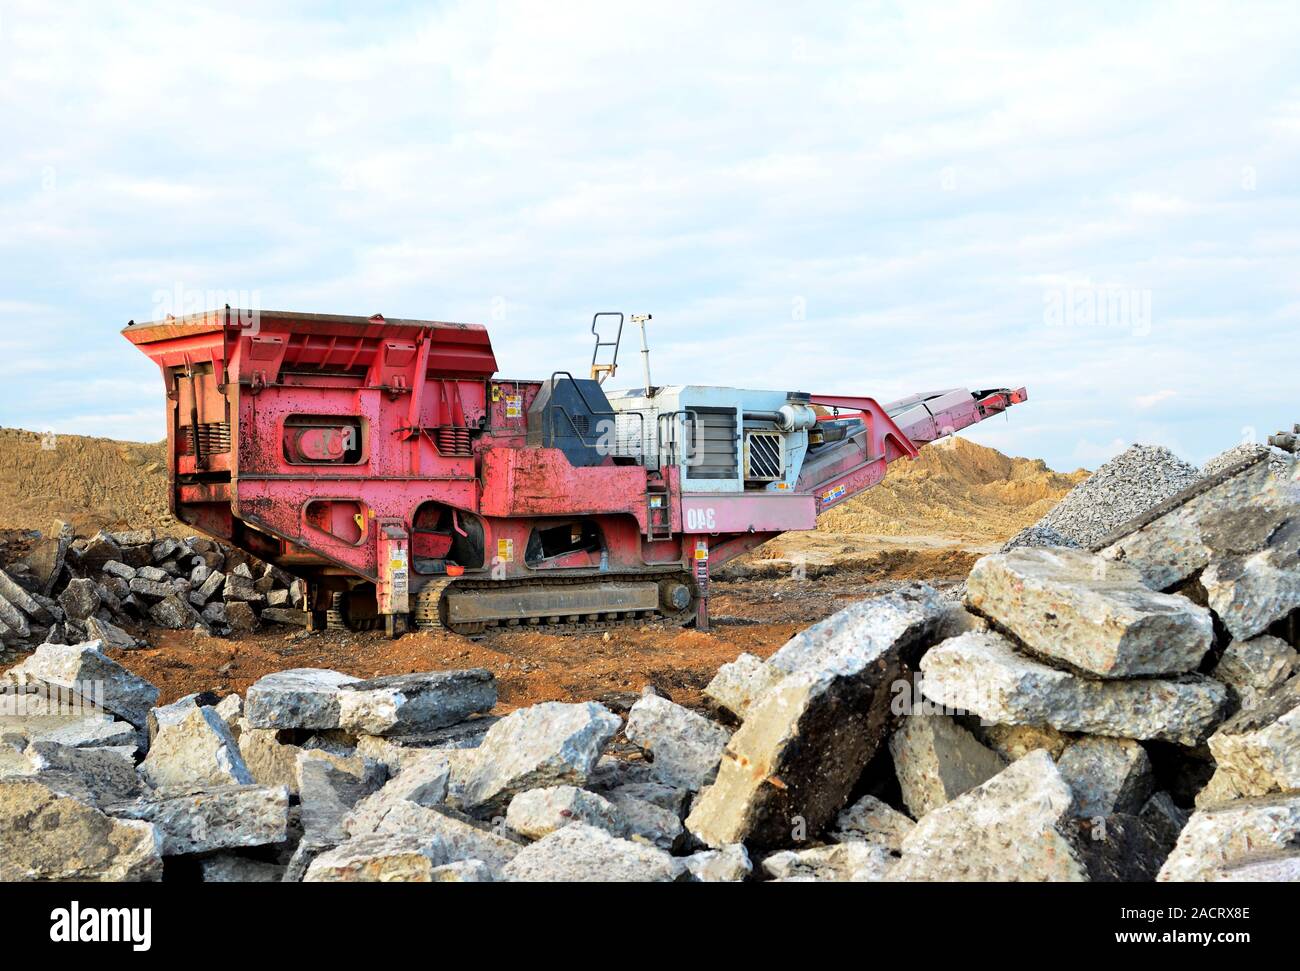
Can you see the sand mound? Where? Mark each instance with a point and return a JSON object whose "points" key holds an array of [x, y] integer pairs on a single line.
{"points": [[88, 482], [956, 489]]}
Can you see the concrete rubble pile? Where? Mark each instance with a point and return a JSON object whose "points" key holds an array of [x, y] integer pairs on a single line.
{"points": [[111, 586], [1130, 713]]}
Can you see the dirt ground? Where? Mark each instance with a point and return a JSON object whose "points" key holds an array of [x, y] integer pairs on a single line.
{"points": [[753, 615]]}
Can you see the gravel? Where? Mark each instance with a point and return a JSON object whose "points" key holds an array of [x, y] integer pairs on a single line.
{"points": [[1038, 535], [1129, 484], [1279, 461]]}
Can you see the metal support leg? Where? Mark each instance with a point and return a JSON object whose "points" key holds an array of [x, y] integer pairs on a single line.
{"points": [[702, 581]]}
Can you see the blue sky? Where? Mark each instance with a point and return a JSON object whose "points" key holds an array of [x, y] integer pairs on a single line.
{"points": [[873, 198]]}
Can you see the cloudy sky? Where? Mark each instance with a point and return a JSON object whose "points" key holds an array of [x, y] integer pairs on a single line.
{"points": [[866, 198]]}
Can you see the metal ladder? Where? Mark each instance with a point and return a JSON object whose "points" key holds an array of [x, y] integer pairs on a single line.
{"points": [[602, 370], [658, 517]]}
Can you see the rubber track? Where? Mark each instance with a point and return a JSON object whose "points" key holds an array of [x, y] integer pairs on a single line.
{"points": [[677, 619]]}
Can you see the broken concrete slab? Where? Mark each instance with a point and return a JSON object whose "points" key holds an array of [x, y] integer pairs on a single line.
{"points": [[1014, 742], [1249, 592], [231, 868], [1031, 804], [461, 837], [1257, 751], [1280, 867], [937, 760], [1220, 836], [1165, 818], [111, 635], [406, 704], [196, 750], [16, 626], [685, 748], [93, 775], [656, 793], [177, 711], [200, 819], [1255, 667], [1091, 613], [47, 556], [856, 861], [535, 813], [901, 622], [282, 615], [379, 858], [13, 592], [737, 684], [548, 744], [464, 871], [151, 591], [646, 822], [80, 599], [86, 671], [271, 761], [174, 613], [1236, 516], [1107, 775], [730, 864], [296, 698], [585, 854], [329, 786], [47, 836], [872, 821], [806, 740], [983, 674]]}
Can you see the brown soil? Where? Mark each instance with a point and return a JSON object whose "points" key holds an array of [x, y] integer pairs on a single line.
{"points": [[757, 616], [88, 482]]}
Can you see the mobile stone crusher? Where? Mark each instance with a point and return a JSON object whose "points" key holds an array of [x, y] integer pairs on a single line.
{"points": [[384, 463]]}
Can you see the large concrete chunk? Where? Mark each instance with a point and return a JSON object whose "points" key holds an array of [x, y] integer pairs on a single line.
{"points": [[728, 865], [1107, 775], [47, 557], [199, 819], [271, 761], [45, 835], [296, 698], [871, 821], [1235, 517], [1255, 667], [865, 631], [1220, 836], [585, 854], [231, 868], [405, 704], [13, 592], [540, 812], [983, 674], [460, 837], [685, 748], [937, 760], [96, 776], [1249, 591], [329, 786], [644, 821], [548, 744], [197, 750], [1281, 867], [79, 599], [856, 861], [798, 754], [1257, 751], [386, 858], [737, 684], [1090, 612], [1013, 827], [85, 670]]}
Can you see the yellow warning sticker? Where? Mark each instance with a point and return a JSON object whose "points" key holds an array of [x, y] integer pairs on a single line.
{"points": [[514, 406], [496, 392], [506, 550], [701, 550]]}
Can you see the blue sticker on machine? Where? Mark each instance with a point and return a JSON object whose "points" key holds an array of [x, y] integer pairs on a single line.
{"points": [[832, 494]]}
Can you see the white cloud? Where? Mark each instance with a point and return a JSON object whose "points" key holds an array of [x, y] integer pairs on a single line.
{"points": [[1153, 399], [917, 178]]}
